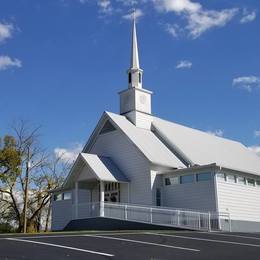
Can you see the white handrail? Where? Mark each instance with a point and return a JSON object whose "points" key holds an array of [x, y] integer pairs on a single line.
{"points": [[174, 217]]}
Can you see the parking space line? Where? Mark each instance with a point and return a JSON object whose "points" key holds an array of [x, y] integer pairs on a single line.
{"points": [[43, 236], [229, 235], [143, 242], [120, 233], [60, 246], [206, 239], [79, 235]]}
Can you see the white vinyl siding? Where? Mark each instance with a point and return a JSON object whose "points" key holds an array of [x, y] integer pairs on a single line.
{"points": [[131, 162], [241, 200], [61, 214], [196, 195]]}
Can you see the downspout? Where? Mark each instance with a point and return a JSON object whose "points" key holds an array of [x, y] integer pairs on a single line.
{"points": [[216, 194]]}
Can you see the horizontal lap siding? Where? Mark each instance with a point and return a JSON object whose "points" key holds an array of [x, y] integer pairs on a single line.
{"points": [[241, 201], [198, 196], [61, 214], [130, 161]]}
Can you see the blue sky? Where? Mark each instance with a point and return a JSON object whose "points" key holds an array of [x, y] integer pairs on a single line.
{"points": [[62, 63]]}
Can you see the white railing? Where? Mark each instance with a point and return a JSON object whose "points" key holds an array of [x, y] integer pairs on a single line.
{"points": [[188, 219]]}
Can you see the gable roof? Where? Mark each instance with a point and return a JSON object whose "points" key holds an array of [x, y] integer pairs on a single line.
{"points": [[149, 145], [103, 168], [202, 148]]}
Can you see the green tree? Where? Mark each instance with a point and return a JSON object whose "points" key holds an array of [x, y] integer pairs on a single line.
{"points": [[10, 158]]}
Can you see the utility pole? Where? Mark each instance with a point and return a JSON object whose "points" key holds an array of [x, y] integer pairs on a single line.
{"points": [[26, 191]]}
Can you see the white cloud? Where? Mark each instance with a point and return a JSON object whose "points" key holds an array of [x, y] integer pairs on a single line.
{"points": [[177, 6], [248, 82], [129, 2], [200, 22], [198, 19], [173, 29], [105, 6], [255, 149], [248, 17], [6, 63], [257, 133], [138, 13], [6, 31], [217, 132], [68, 154], [184, 64]]}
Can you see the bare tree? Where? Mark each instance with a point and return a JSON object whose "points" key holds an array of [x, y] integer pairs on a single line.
{"points": [[27, 191]]}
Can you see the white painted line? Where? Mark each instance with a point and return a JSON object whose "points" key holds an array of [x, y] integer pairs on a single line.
{"points": [[43, 236], [205, 239], [143, 242], [60, 246], [79, 235], [120, 233], [229, 235]]}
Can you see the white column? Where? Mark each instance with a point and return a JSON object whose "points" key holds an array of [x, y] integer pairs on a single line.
{"points": [[102, 198], [76, 199]]}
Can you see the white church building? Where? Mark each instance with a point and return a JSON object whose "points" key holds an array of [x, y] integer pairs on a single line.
{"points": [[137, 164]]}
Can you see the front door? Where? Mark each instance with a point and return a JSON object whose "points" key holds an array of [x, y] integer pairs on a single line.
{"points": [[112, 192]]}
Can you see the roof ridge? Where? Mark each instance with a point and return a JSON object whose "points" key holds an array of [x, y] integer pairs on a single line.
{"points": [[199, 130]]}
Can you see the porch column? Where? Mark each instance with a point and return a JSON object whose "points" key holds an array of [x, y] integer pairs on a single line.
{"points": [[102, 198], [76, 199]]}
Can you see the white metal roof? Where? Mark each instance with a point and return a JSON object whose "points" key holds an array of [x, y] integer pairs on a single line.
{"points": [[202, 148], [154, 150], [103, 168]]}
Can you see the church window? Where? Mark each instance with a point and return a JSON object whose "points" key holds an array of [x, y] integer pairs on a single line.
{"points": [[158, 197], [129, 78], [231, 178], [241, 180], [67, 195], [108, 127], [251, 182], [58, 197], [205, 176], [187, 179], [167, 181]]}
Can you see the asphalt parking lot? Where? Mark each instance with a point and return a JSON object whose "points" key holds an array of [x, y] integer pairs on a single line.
{"points": [[132, 245]]}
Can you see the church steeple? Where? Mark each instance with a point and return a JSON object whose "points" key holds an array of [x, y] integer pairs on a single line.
{"points": [[135, 102], [134, 55], [134, 72]]}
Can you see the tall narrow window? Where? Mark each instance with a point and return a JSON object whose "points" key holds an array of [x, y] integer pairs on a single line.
{"points": [[129, 78], [140, 77], [158, 197]]}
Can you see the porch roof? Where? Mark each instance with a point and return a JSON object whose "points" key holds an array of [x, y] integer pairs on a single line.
{"points": [[104, 168], [101, 167]]}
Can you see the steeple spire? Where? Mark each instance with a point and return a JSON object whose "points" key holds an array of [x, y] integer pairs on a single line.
{"points": [[134, 57], [134, 72], [135, 102]]}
